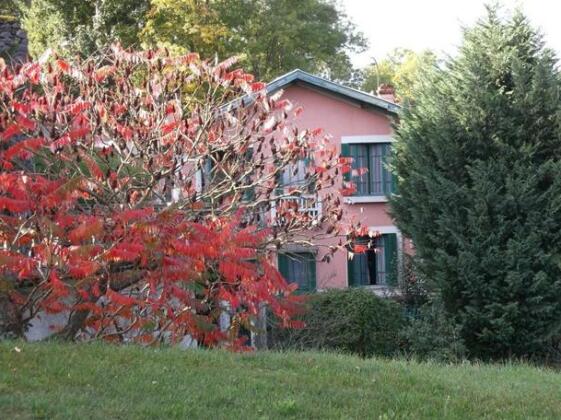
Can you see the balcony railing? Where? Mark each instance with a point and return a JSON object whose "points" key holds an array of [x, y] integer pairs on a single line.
{"points": [[308, 204]]}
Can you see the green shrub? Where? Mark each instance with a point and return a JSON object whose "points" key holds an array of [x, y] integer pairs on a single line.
{"points": [[433, 335], [352, 321]]}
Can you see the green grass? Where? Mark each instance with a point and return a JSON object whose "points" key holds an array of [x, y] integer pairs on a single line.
{"points": [[101, 381]]}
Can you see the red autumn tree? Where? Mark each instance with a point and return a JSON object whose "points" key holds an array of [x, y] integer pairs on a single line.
{"points": [[140, 193]]}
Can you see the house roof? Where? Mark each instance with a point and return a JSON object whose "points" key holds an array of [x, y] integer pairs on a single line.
{"points": [[300, 76]]}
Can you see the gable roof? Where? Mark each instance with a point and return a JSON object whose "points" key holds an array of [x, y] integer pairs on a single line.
{"points": [[302, 77]]}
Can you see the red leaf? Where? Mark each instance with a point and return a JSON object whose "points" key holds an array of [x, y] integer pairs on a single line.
{"points": [[83, 269], [360, 249], [22, 108], [78, 107], [63, 65], [93, 167], [257, 86], [124, 252], [120, 299], [168, 128], [79, 133], [25, 122], [60, 289], [128, 216], [24, 149], [89, 228], [14, 206], [60, 143], [12, 130]]}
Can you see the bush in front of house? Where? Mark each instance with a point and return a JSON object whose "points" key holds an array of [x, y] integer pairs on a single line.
{"points": [[433, 335], [352, 321]]}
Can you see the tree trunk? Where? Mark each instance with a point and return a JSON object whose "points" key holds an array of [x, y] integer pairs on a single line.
{"points": [[11, 323]]}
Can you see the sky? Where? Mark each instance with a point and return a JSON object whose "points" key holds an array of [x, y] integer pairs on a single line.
{"points": [[436, 24]]}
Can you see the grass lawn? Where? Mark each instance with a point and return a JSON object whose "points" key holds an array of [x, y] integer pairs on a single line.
{"points": [[101, 381]]}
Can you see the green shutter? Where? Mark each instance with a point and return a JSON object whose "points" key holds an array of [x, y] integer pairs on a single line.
{"points": [[346, 152], [283, 265], [390, 256], [351, 280], [249, 194], [384, 170], [393, 187], [279, 190], [312, 271], [387, 174]]}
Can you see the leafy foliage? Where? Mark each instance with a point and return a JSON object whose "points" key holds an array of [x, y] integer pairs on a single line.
{"points": [[433, 335], [123, 196], [279, 36], [479, 167], [81, 27], [402, 69], [352, 320], [271, 36]]}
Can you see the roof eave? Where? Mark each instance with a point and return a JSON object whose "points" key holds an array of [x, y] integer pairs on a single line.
{"points": [[323, 84], [307, 78]]}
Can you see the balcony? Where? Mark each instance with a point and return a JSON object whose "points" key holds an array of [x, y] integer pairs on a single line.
{"points": [[309, 204]]}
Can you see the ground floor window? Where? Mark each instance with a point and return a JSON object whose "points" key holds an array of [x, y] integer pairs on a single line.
{"points": [[299, 268], [376, 266]]}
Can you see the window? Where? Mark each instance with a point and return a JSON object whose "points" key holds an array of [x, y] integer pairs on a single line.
{"points": [[378, 180], [294, 174], [212, 173], [299, 268], [376, 266]]}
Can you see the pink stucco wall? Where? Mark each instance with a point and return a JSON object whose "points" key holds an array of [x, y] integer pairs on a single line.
{"points": [[339, 118]]}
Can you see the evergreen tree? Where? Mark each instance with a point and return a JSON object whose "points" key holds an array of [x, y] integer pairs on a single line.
{"points": [[479, 164]]}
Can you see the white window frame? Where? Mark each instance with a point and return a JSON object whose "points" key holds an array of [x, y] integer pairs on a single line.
{"points": [[367, 139], [374, 138]]}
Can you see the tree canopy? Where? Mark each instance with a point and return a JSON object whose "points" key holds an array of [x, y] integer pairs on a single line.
{"points": [[270, 36], [479, 168], [137, 194], [402, 69]]}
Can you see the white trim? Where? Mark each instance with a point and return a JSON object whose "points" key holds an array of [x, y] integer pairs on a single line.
{"points": [[366, 199], [375, 138], [385, 229]]}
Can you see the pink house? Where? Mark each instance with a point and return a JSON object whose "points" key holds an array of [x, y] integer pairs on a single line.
{"points": [[361, 126]]}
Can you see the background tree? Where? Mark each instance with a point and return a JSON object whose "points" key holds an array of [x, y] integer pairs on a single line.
{"points": [[187, 25], [271, 36], [81, 27], [136, 194], [279, 36], [9, 8], [402, 68], [479, 166]]}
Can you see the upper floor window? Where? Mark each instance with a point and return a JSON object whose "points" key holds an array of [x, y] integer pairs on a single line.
{"points": [[294, 174], [378, 180]]}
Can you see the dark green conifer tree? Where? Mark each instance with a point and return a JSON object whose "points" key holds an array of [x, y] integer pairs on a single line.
{"points": [[478, 160]]}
